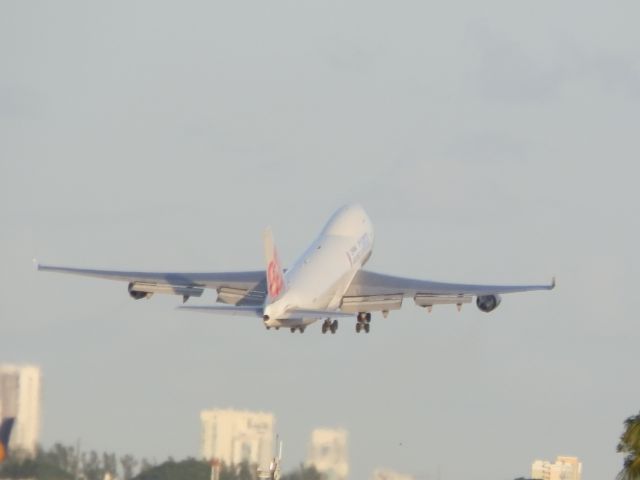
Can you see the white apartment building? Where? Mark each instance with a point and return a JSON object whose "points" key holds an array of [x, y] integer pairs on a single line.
{"points": [[328, 453], [564, 468], [233, 436], [386, 474], [20, 398]]}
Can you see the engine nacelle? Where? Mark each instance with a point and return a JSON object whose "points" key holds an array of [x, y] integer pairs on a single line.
{"points": [[488, 303], [137, 294], [140, 290]]}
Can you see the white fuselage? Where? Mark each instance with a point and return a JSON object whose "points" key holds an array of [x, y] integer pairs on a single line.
{"points": [[321, 276]]}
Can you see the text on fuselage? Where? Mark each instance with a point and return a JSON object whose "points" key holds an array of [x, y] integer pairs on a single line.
{"points": [[359, 249]]}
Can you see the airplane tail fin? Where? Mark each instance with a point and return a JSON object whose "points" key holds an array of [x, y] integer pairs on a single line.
{"points": [[275, 277], [5, 433]]}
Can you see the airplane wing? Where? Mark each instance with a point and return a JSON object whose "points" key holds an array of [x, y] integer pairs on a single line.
{"points": [[371, 291], [237, 288]]}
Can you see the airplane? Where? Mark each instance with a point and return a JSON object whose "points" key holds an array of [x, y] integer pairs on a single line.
{"points": [[326, 283], [5, 433]]}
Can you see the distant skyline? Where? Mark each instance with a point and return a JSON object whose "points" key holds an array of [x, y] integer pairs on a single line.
{"points": [[21, 398], [329, 452], [232, 436], [489, 142], [564, 468]]}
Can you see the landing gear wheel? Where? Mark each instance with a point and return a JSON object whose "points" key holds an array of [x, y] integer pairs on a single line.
{"points": [[358, 327], [334, 326], [301, 329], [293, 329], [366, 327], [326, 325]]}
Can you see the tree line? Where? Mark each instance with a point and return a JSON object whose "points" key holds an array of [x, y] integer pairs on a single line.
{"points": [[63, 462]]}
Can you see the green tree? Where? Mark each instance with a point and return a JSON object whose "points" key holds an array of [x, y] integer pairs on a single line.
{"points": [[304, 473], [62, 456], [21, 466], [145, 465], [245, 472], [92, 467], [227, 472], [630, 445], [189, 469], [110, 463], [129, 464]]}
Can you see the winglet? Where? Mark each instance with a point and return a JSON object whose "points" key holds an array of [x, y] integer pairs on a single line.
{"points": [[36, 265], [5, 433], [553, 283]]}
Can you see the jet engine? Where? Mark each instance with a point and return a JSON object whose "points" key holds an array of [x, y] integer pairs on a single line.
{"points": [[137, 294], [140, 290], [488, 303]]}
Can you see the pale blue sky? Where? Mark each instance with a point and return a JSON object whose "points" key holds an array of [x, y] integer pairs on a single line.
{"points": [[489, 141]]}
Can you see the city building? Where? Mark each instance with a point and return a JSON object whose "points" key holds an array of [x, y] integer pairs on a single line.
{"points": [[386, 474], [20, 398], [233, 436], [328, 453], [564, 468]]}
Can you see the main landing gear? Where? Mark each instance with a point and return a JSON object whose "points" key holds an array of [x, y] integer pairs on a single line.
{"points": [[363, 322], [300, 329], [328, 325]]}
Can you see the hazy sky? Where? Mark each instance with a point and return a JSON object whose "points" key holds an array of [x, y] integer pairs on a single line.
{"points": [[489, 142]]}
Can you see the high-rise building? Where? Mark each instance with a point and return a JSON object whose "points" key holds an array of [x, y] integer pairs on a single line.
{"points": [[564, 468], [233, 436], [20, 398], [328, 453], [386, 474]]}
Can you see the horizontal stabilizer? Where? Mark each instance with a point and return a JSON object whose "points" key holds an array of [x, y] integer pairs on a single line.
{"points": [[251, 311], [319, 314], [242, 311]]}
